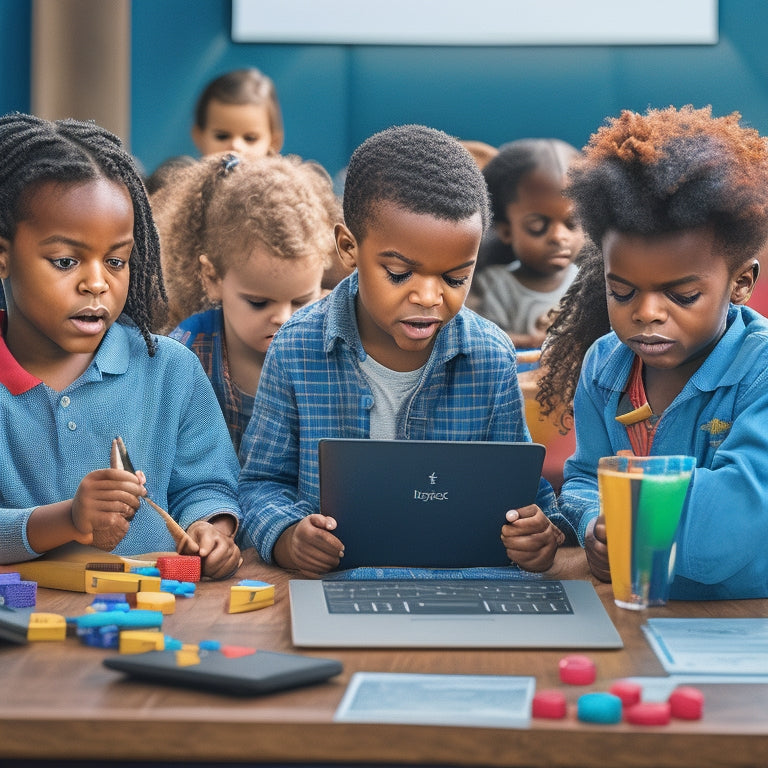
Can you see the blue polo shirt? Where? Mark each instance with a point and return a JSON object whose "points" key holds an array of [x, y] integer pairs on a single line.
{"points": [[164, 409], [719, 417]]}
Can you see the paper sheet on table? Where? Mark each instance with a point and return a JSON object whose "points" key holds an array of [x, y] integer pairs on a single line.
{"points": [[711, 647], [500, 701]]}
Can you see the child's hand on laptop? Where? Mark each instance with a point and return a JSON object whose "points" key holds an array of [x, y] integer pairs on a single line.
{"points": [[596, 549], [309, 546], [530, 538]]}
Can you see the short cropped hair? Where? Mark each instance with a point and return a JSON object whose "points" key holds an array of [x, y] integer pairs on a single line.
{"points": [[420, 169]]}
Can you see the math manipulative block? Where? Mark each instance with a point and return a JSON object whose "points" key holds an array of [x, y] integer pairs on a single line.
{"points": [[164, 602], [249, 595], [15, 593], [180, 567]]}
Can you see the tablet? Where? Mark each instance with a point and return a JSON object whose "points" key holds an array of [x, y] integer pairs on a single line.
{"points": [[228, 670]]}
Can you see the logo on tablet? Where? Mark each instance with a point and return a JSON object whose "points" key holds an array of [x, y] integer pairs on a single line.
{"points": [[430, 495]]}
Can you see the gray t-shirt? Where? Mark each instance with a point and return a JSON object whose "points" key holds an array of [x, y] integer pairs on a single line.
{"points": [[391, 390]]}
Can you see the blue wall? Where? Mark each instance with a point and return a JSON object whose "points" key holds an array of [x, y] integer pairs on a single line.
{"points": [[334, 96], [15, 33]]}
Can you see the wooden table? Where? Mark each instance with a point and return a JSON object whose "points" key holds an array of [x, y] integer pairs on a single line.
{"points": [[59, 702]]}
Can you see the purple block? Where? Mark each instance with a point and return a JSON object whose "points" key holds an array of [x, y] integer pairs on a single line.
{"points": [[18, 594], [10, 578]]}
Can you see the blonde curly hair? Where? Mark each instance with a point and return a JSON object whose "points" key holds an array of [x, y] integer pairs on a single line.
{"points": [[225, 206]]}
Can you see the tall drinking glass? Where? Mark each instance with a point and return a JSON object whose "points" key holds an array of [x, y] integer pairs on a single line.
{"points": [[642, 499]]}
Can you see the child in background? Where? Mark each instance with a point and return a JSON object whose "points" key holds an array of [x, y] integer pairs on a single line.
{"points": [[677, 201], [80, 266], [245, 243], [389, 353], [535, 228], [239, 112]]}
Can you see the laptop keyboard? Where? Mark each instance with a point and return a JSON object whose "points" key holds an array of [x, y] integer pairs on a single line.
{"points": [[447, 596]]}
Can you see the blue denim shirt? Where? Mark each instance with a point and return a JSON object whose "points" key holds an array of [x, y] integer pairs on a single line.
{"points": [[312, 387], [164, 409], [720, 417]]}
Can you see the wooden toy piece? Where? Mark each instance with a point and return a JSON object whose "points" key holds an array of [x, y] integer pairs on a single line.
{"points": [[178, 588], [46, 626], [249, 595], [180, 567], [141, 641], [98, 581], [187, 657], [16, 593], [164, 602], [65, 567]]}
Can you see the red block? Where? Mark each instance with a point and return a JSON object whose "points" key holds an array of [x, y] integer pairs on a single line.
{"points": [[179, 567]]}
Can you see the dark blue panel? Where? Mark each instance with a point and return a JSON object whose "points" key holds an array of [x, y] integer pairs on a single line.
{"points": [[335, 96], [15, 59]]}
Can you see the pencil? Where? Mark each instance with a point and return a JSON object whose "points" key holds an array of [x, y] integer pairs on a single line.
{"points": [[177, 532]]}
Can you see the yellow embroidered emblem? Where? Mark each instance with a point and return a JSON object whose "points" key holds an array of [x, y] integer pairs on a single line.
{"points": [[716, 426]]}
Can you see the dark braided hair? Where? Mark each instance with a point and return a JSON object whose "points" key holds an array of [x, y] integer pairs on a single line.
{"points": [[34, 151], [666, 171], [420, 169]]}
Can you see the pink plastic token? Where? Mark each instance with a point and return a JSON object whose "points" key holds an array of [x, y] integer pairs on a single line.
{"points": [[648, 713], [550, 705], [628, 692], [577, 670], [687, 703]]}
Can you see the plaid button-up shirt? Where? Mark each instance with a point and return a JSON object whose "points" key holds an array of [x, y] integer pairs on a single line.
{"points": [[312, 387]]}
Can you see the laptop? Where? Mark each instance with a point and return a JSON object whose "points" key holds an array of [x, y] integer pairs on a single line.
{"points": [[402, 505], [449, 613], [425, 504]]}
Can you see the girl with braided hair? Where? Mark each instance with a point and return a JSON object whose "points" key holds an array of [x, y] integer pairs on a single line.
{"points": [[80, 269], [676, 201]]}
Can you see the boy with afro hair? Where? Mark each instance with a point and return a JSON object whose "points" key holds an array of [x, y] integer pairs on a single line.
{"points": [[676, 202]]}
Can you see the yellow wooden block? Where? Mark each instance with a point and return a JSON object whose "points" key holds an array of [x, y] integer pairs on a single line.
{"points": [[46, 626], [65, 567], [102, 581], [164, 602], [141, 640], [187, 657], [250, 596]]}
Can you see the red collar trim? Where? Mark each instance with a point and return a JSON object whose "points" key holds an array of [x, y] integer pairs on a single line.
{"points": [[12, 376]]}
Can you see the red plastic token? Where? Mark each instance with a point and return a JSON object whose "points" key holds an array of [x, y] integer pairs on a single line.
{"points": [[628, 692], [550, 705], [687, 703], [648, 713], [236, 651], [577, 670]]}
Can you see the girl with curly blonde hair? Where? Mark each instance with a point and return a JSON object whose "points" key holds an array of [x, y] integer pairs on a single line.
{"points": [[244, 243]]}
